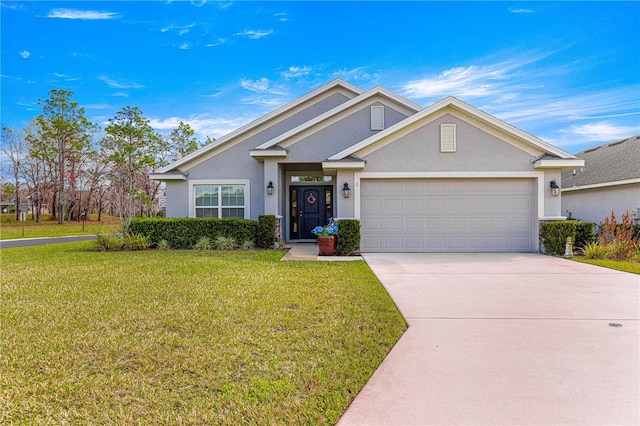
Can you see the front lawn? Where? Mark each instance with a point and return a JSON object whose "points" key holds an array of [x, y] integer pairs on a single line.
{"points": [[182, 337], [620, 265]]}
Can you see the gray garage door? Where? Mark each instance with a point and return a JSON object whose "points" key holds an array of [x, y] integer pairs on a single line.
{"points": [[453, 215]]}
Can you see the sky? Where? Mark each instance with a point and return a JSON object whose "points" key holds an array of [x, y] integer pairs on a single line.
{"points": [[566, 72]]}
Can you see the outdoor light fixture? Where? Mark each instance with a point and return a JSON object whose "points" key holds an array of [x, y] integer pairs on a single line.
{"points": [[555, 189], [346, 191], [270, 188]]}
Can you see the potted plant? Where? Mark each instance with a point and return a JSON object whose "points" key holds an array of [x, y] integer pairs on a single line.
{"points": [[327, 238]]}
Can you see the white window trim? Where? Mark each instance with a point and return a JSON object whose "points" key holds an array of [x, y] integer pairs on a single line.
{"points": [[198, 182], [445, 144], [377, 112]]}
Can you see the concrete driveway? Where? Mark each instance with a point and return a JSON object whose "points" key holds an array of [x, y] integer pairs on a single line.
{"points": [[506, 339]]}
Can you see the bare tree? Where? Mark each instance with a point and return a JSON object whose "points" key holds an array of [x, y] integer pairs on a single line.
{"points": [[13, 146]]}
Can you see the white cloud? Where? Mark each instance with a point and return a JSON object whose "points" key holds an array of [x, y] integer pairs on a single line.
{"points": [[64, 13], [184, 46], [261, 85], [121, 94], [25, 54], [520, 10], [602, 131], [203, 125], [120, 84], [180, 29], [296, 72], [254, 34], [218, 42], [282, 17], [355, 74]]}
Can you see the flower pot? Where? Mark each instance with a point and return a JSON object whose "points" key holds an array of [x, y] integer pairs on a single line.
{"points": [[327, 245]]}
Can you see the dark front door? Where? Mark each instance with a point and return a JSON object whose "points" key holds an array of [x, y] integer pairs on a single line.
{"points": [[311, 206]]}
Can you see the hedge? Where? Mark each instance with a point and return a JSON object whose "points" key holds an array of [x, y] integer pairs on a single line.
{"points": [[553, 235], [266, 231], [183, 233], [348, 236]]}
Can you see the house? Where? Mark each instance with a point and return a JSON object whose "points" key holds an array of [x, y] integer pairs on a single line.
{"points": [[446, 178], [609, 181]]}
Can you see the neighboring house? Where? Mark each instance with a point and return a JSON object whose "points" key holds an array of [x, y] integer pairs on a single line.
{"points": [[609, 181], [446, 178]]}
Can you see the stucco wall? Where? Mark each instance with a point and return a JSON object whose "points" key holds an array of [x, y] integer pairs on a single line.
{"points": [[476, 150], [177, 199], [329, 141], [236, 163], [593, 205]]}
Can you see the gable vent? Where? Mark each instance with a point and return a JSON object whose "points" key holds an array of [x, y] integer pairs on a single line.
{"points": [[447, 138], [377, 117]]}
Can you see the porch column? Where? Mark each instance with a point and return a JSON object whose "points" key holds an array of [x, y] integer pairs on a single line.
{"points": [[272, 202]]}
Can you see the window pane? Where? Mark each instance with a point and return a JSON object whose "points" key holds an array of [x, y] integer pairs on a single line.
{"points": [[233, 195], [207, 213], [233, 212], [206, 195]]}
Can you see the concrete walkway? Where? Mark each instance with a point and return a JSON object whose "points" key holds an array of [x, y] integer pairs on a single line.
{"points": [[309, 251], [506, 339]]}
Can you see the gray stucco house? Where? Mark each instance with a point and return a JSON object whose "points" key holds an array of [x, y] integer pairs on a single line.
{"points": [[445, 178], [609, 181]]}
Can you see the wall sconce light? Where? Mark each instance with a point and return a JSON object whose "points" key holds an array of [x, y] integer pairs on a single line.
{"points": [[270, 188], [346, 191], [555, 189]]}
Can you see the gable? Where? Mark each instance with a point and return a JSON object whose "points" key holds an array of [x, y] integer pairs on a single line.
{"points": [[420, 150], [274, 123], [480, 119]]}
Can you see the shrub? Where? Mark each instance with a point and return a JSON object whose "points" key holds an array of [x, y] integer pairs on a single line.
{"points": [[248, 245], [266, 233], [224, 243], [135, 242], [163, 245], [203, 243], [622, 237], [595, 251], [554, 235], [183, 233], [109, 243], [348, 236]]}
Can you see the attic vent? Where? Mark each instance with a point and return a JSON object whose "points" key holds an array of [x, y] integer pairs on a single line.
{"points": [[377, 117], [592, 149], [447, 138], [617, 143]]}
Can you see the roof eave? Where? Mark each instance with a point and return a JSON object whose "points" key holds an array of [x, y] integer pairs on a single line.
{"points": [[558, 163]]}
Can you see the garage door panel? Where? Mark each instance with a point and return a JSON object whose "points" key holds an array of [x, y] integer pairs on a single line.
{"points": [[448, 215]]}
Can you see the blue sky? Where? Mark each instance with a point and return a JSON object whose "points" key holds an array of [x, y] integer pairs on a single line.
{"points": [[566, 72]]}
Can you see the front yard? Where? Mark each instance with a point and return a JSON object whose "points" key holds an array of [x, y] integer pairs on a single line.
{"points": [[182, 337]]}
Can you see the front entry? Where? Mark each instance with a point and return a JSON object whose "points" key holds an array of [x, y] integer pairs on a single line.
{"points": [[309, 206]]}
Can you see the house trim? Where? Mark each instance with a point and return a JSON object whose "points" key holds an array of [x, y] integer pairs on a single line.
{"points": [[601, 185], [559, 163], [167, 176]]}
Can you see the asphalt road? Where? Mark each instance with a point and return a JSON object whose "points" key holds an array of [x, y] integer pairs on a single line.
{"points": [[28, 242]]}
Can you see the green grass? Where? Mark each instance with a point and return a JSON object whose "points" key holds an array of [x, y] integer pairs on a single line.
{"points": [[10, 229], [185, 337], [620, 265]]}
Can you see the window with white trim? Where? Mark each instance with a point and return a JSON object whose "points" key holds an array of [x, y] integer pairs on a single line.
{"points": [[447, 138], [219, 201]]}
